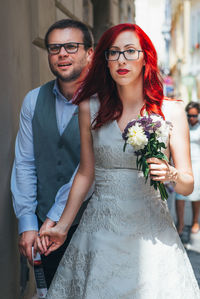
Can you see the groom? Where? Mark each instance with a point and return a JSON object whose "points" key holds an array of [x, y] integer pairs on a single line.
{"points": [[47, 149]]}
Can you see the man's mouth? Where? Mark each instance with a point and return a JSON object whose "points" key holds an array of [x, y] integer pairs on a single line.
{"points": [[64, 64]]}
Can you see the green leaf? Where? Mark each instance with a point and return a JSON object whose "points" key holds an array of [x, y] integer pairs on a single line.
{"points": [[146, 172], [165, 158], [161, 144], [159, 156]]}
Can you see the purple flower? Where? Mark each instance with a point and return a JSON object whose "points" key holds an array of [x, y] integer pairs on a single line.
{"points": [[129, 125]]}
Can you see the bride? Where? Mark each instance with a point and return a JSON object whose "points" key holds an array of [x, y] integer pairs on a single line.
{"points": [[126, 246]]}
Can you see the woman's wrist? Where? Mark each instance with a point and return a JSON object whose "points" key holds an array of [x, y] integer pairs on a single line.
{"points": [[173, 174], [62, 227]]}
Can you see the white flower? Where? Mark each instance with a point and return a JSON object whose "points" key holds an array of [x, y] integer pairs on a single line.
{"points": [[137, 137], [156, 117], [163, 131]]}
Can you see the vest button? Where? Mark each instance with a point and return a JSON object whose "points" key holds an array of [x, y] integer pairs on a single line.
{"points": [[59, 162]]}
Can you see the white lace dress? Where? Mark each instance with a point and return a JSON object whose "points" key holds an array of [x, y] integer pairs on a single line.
{"points": [[126, 246]]}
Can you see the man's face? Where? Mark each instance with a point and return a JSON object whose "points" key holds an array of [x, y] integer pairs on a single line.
{"points": [[68, 67]]}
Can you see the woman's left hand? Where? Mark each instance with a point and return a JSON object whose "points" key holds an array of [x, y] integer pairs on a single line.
{"points": [[160, 170]]}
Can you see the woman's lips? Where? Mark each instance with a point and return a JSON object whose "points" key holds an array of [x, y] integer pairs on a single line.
{"points": [[122, 71]]}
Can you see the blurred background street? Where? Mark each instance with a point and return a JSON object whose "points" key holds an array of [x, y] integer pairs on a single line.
{"points": [[173, 26]]}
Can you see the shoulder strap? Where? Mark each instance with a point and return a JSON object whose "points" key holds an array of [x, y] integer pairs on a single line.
{"points": [[94, 107]]}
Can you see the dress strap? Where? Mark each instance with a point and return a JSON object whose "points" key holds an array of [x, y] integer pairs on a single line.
{"points": [[94, 107], [167, 107]]}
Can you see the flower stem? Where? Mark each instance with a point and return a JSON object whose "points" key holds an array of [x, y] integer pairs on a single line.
{"points": [[163, 192]]}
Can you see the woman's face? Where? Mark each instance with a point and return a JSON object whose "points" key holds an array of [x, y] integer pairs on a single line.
{"points": [[192, 116], [123, 71]]}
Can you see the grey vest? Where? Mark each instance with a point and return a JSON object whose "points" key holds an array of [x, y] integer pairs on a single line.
{"points": [[56, 157]]}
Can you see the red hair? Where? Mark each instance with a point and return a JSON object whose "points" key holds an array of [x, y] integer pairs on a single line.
{"points": [[100, 81]]}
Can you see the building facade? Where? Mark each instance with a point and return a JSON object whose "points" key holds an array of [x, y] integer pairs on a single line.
{"points": [[185, 48], [194, 49], [24, 66]]}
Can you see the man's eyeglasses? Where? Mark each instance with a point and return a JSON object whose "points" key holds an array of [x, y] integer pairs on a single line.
{"points": [[130, 54], [192, 115], [70, 48]]}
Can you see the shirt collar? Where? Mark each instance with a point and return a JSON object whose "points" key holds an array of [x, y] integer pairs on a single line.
{"points": [[59, 95]]}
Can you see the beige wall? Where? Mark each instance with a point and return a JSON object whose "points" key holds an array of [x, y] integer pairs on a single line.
{"points": [[15, 81], [23, 67]]}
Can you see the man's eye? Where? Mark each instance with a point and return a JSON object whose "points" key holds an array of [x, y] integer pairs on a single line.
{"points": [[54, 48], [131, 51], [71, 47]]}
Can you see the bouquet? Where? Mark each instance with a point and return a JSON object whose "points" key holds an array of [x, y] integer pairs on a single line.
{"points": [[147, 135]]}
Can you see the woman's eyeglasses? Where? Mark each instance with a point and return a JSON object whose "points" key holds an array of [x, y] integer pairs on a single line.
{"points": [[130, 54]]}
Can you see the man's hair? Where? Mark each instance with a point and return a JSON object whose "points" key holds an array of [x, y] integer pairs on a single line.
{"points": [[69, 23], [192, 105]]}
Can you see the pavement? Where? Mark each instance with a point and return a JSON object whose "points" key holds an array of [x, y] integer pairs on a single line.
{"points": [[190, 241]]}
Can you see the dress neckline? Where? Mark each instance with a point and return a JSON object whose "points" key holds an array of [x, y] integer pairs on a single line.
{"points": [[118, 128], [117, 125]]}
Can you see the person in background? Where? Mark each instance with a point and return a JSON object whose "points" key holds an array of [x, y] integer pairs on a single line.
{"points": [[47, 151], [192, 110]]}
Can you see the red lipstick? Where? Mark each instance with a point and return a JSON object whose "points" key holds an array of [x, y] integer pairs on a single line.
{"points": [[122, 71]]}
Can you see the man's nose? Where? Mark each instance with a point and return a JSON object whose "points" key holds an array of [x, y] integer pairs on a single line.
{"points": [[63, 52]]}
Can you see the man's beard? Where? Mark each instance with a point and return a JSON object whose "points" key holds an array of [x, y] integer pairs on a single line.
{"points": [[68, 78], [75, 74]]}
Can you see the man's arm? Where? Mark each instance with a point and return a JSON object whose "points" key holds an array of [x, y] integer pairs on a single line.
{"points": [[56, 210], [24, 179], [61, 199]]}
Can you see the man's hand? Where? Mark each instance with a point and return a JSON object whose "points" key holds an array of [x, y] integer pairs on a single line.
{"points": [[42, 244], [26, 241]]}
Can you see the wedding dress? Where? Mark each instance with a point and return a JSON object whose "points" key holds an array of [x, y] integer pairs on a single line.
{"points": [[126, 246]]}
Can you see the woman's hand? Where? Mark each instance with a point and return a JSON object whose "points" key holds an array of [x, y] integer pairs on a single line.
{"points": [[160, 170], [56, 237], [41, 245]]}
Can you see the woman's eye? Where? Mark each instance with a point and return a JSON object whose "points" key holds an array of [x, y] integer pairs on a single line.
{"points": [[112, 53], [131, 51]]}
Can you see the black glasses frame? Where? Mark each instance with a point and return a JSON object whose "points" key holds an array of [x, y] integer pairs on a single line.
{"points": [[192, 115], [119, 53], [65, 47]]}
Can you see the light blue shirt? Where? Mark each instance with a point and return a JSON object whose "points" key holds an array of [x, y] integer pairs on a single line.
{"points": [[24, 179]]}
